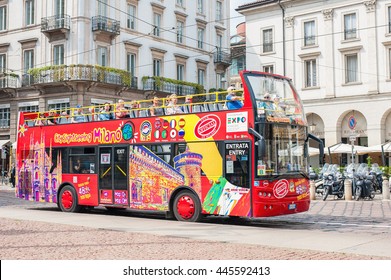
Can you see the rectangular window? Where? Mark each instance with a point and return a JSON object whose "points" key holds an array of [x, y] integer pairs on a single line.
{"points": [[102, 56], [389, 63], [60, 107], [102, 7], [32, 108], [350, 28], [389, 19], [131, 17], [3, 18], [268, 69], [5, 117], [3, 66], [200, 37], [29, 12], [267, 36], [157, 67], [351, 67], [58, 55], [201, 77], [179, 3], [28, 60], [131, 63], [310, 73], [219, 11], [179, 31], [157, 21], [180, 72], [219, 80], [309, 33], [200, 7], [59, 7]]}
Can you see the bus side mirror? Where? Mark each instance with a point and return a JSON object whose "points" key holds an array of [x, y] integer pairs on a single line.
{"points": [[261, 148]]}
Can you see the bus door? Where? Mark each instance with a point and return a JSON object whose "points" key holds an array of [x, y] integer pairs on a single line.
{"points": [[113, 175], [237, 196]]}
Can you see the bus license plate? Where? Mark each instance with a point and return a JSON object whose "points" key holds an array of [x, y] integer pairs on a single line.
{"points": [[292, 206]]}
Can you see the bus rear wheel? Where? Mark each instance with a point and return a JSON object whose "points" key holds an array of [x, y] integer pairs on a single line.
{"points": [[187, 207], [68, 200]]}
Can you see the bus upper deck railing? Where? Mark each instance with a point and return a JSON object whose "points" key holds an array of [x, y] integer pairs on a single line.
{"points": [[205, 102]]}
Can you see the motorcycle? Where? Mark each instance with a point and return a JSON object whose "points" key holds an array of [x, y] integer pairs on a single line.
{"points": [[377, 177], [318, 178], [334, 183], [363, 183]]}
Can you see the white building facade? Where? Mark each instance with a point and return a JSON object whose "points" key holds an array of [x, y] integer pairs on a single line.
{"points": [[92, 51], [338, 54]]}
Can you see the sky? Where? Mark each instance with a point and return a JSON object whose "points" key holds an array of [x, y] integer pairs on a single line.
{"points": [[237, 18]]}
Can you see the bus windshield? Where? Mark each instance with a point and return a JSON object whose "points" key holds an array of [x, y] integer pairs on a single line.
{"points": [[284, 151], [276, 99]]}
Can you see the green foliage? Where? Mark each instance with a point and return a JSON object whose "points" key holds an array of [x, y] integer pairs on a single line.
{"points": [[369, 161], [159, 82], [386, 171]]}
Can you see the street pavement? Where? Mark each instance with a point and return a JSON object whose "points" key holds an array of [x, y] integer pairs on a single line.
{"points": [[376, 209]]}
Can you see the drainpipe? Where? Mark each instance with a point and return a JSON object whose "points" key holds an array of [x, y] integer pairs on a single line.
{"points": [[283, 35]]}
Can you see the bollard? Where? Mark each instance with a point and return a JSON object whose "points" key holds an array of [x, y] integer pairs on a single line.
{"points": [[348, 189], [386, 188], [312, 190]]}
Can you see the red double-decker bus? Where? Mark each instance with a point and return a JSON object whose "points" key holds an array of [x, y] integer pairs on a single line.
{"points": [[205, 160]]}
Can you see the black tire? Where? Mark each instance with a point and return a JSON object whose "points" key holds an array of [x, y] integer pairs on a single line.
{"points": [[372, 193], [325, 192], [357, 193], [187, 207], [340, 195], [67, 200]]}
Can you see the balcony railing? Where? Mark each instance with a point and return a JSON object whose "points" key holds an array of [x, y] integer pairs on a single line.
{"points": [[9, 81], [350, 33], [222, 57], [101, 74], [55, 22], [102, 23], [168, 87]]}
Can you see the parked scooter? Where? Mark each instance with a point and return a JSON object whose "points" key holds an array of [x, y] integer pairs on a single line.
{"points": [[377, 178], [363, 183], [319, 178], [334, 183]]}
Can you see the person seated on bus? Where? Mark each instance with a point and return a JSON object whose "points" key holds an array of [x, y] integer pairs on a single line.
{"points": [[77, 168], [40, 120], [172, 107], [135, 109], [233, 101], [278, 106], [120, 110], [155, 109], [105, 113], [266, 106], [52, 118], [186, 107], [77, 115]]}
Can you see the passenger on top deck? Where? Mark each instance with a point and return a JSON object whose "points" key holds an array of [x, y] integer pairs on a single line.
{"points": [[120, 110], [77, 115], [233, 101], [155, 109], [172, 107], [105, 113]]}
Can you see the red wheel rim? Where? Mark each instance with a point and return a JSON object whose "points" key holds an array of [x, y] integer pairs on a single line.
{"points": [[185, 207], [67, 199]]}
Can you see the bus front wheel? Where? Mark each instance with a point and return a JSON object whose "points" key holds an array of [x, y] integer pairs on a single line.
{"points": [[187, 207], [68, 200]]}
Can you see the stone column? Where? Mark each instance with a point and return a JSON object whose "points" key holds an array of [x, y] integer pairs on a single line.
{"points": [[373, 85], [290, 47], [348, 189], [386, 188], [329, 52], [312, 190]]}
